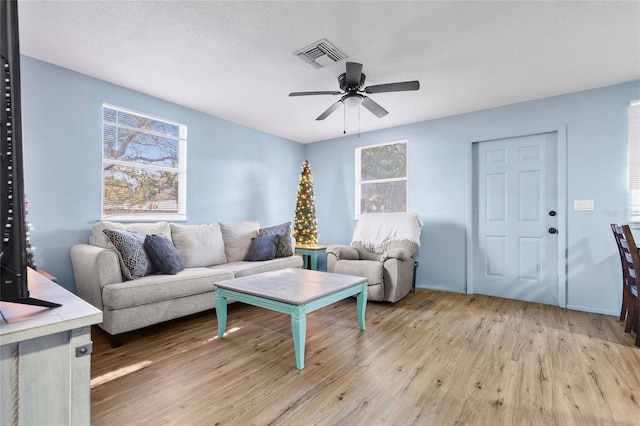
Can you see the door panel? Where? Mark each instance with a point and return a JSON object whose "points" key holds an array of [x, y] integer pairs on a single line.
{"points": [[514, 256], [529, 258], [496, 198]]}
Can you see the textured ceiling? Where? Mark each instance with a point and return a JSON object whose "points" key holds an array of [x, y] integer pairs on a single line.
{"points": [[235, 60]]}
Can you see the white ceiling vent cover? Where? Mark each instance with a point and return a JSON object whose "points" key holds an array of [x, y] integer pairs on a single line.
{"points": [[320, 54]]}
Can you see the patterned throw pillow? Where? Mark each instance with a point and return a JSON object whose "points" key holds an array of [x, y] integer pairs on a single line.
{"points": [[163, 254], [134, 261], [262, 248], [285, 248]]}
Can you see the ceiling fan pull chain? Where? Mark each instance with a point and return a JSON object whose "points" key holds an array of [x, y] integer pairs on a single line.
{"points": [[359, 120], [344, 119]]}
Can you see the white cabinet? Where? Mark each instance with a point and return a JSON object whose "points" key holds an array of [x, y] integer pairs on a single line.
{"points": [[45, 358]]}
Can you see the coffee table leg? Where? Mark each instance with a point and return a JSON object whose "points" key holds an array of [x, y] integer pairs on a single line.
{"points": [[362, 305], [299, 329], [221, 312]]}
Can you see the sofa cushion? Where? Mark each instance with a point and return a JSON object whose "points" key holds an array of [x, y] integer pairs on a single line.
{"points": [[244, 268], [134, 262], [157, 288], [237, 238], [372, 270], [285, 244], [199, 245], [163, 254], [97, 237], [262, 248]]}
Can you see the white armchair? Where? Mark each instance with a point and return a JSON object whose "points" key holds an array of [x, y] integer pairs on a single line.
{"points": [[381, 250]]}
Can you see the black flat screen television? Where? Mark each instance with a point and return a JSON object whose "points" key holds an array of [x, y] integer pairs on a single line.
{"points": [[13, 257]]}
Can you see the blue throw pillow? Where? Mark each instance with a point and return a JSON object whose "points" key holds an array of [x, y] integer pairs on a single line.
{"points": [[163, 254], [285, 248], [262, 248]]}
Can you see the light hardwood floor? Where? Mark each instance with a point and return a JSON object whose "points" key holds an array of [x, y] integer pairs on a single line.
{"points": [[433, 358]]}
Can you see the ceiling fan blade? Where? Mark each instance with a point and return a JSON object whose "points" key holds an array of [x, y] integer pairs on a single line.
{"points": [[354, 71], [393, 87], [314, 93], [329, 111], [373, 106]]}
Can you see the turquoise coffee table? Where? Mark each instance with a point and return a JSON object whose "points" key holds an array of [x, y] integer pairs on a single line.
{"points": [[295, 292]]}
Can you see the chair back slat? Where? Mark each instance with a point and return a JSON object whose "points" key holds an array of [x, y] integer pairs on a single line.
{"points": [[623, 250], [631, 255]]}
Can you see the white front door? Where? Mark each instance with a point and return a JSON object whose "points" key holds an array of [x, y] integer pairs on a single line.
{"points": [[515, 235]]}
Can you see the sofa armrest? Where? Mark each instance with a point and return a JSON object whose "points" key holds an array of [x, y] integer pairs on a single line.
{"points": [[336, 253], [343, 252], [93, 268], [398, 278], [396, 253]]}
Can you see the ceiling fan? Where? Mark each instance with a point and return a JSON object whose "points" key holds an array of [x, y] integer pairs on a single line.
{"points": [[351, 84]]}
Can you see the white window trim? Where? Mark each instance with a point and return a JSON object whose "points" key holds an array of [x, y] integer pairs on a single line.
{"points": [[182, 171], [634, 161], [359, 181]]}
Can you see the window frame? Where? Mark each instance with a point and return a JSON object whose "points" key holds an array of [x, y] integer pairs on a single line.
{"points": [[358, 175], [634, 161], [181, 214]]}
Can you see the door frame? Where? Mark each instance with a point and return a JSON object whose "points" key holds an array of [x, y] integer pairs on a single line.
{"points": [[561, 165]]}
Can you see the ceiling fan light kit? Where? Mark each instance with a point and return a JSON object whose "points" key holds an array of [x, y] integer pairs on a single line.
{"points": [[351, 83], [352, 101]]}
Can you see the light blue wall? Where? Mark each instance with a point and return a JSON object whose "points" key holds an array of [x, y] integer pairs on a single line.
{"points": [[234, 172], [439, 167], [237, 173]]}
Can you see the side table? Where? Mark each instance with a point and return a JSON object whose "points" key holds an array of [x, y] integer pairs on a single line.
{"points": [[310, 253]]}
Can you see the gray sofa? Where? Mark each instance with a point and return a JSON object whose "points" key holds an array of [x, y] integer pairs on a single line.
{"points": [[210, 253]]}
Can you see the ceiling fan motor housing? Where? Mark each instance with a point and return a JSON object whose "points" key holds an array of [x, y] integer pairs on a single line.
{"points": [[342, 80]]}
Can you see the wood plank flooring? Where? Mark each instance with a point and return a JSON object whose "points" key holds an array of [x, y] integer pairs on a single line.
{"points": [[434, 358]]}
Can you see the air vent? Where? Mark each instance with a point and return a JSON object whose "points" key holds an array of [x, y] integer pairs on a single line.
{"points": [[320, 54]]}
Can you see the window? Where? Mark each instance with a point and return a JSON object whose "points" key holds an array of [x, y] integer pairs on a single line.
{"points": [[143, 166], [634, 160], [381, 178]]}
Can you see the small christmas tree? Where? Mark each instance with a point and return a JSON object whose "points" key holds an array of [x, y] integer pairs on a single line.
{"points": [[31, 262], [304, 229]]}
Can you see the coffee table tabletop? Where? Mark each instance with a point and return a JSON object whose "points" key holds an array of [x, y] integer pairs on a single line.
{"points": [[295, 292], [294, 286]]}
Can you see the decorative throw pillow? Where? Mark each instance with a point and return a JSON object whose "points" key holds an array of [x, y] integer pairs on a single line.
{"points": [[262, 248], [285, 247], [163, 254], [134, 261]]}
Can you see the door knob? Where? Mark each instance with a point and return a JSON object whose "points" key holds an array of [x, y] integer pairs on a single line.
{"points": [[552, 213], [553, 231]]}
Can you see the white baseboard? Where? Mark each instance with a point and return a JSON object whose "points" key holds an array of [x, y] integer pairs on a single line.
{"points": [[593, 310], [440, 288]]}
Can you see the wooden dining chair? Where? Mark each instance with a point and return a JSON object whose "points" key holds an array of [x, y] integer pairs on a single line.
{"points": [[627, 296], [632, 258]]}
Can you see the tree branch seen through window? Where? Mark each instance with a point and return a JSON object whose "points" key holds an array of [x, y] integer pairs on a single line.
{"points": [[381, 178], [144, 171]]}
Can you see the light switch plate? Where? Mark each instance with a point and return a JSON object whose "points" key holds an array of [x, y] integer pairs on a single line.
{"points": [[583, 205]]}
